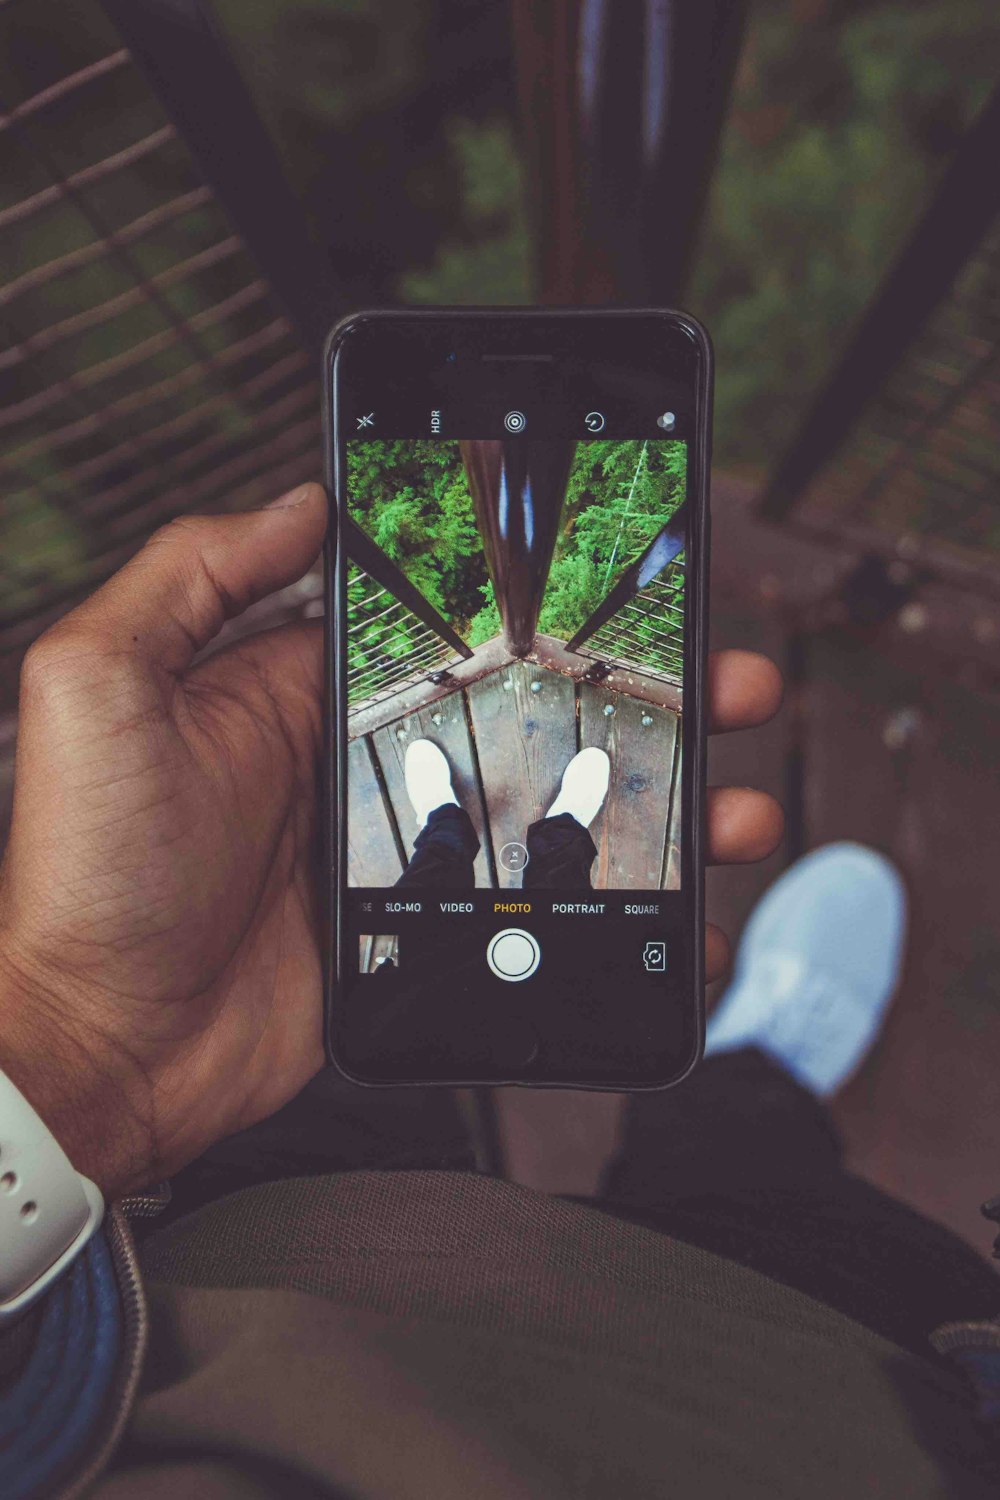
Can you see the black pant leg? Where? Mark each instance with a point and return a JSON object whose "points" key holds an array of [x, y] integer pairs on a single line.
{"points": [[560, 854], [739, 1119], [444, 851], [742, 1161]]}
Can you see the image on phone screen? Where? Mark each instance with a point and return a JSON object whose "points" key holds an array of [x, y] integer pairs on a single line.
{"points": [[515, 677], [509, 735]]}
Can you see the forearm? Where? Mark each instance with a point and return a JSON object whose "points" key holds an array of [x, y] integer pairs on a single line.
{"points": [[83, 1090]]}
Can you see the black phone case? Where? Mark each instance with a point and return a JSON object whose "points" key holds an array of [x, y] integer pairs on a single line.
{"points": [[334, 772]]}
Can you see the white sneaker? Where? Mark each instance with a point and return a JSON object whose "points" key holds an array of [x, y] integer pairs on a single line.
{"points": [[428, 779], [817, 966], [584, 786]]}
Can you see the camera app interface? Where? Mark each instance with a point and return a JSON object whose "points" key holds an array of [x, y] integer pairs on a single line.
{"points": [[515, 684]]}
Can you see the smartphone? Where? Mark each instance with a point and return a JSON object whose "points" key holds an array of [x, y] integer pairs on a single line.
{"points": [[516, 623]]}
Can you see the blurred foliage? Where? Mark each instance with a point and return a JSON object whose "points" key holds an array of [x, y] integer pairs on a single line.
{"points": [[491, 254], [844, 114], [395, 120]]}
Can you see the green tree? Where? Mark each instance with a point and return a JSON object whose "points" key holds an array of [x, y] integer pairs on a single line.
{"points": [[619, 496], [413, 499]]}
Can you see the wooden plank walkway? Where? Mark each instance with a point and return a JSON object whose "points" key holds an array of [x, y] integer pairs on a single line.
{"points": [[445, 723], [525, 723], [374, 853], [630, 830], [508, 736]]}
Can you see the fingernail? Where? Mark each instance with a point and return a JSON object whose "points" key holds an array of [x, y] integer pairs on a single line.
{"points": [[293, 497]]}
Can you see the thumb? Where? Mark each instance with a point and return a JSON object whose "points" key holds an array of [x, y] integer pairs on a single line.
{"points": [[199, 571]]}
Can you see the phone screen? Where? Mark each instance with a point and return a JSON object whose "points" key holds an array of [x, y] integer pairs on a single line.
{"points": [[521, 526]]}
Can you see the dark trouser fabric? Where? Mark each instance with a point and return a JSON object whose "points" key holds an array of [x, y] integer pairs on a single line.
{"points": [[334, 1125], [742, 1161], [444, 851], [738, 1160], [560, 853]]}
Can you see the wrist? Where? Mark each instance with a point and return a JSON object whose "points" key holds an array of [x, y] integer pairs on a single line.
{"points": [[82, 1089]]}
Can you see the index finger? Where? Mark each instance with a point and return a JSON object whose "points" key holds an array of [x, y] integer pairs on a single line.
{"points": [[744, 689], [192, 575]]}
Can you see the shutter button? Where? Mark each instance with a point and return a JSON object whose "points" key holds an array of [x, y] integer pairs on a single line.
{"points": [[513, 954]]}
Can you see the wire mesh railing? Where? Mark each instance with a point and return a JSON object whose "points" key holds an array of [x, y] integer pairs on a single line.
{"points": [[647, 632], [639, 625], [388, 646], [145, 369], [897, 454], [923, 459]]}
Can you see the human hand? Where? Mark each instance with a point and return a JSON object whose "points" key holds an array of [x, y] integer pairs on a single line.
{"points": [[160, 968], [160, 972], [744, 825]]}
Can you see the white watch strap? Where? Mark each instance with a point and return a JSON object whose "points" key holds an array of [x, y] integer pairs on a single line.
{"points": [[48, 1211]]}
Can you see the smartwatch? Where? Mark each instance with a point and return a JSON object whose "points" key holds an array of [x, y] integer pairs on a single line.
{"points": [[48, 1210]]}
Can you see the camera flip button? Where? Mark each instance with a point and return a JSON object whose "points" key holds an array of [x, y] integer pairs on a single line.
{"points": [[654, 956], [513, 954]]}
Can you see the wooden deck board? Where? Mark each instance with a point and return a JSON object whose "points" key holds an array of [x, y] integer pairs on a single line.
{"points": [[366, 718], [630, 829], [524, 741], [444, 723], [372, 853], [920, 1119]]}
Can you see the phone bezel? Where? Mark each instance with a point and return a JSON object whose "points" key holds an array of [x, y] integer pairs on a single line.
{"points": [[334, 773]]}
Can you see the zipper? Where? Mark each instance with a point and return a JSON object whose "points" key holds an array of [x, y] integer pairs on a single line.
{"points": [[147, 1204], [135, 1319]]}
